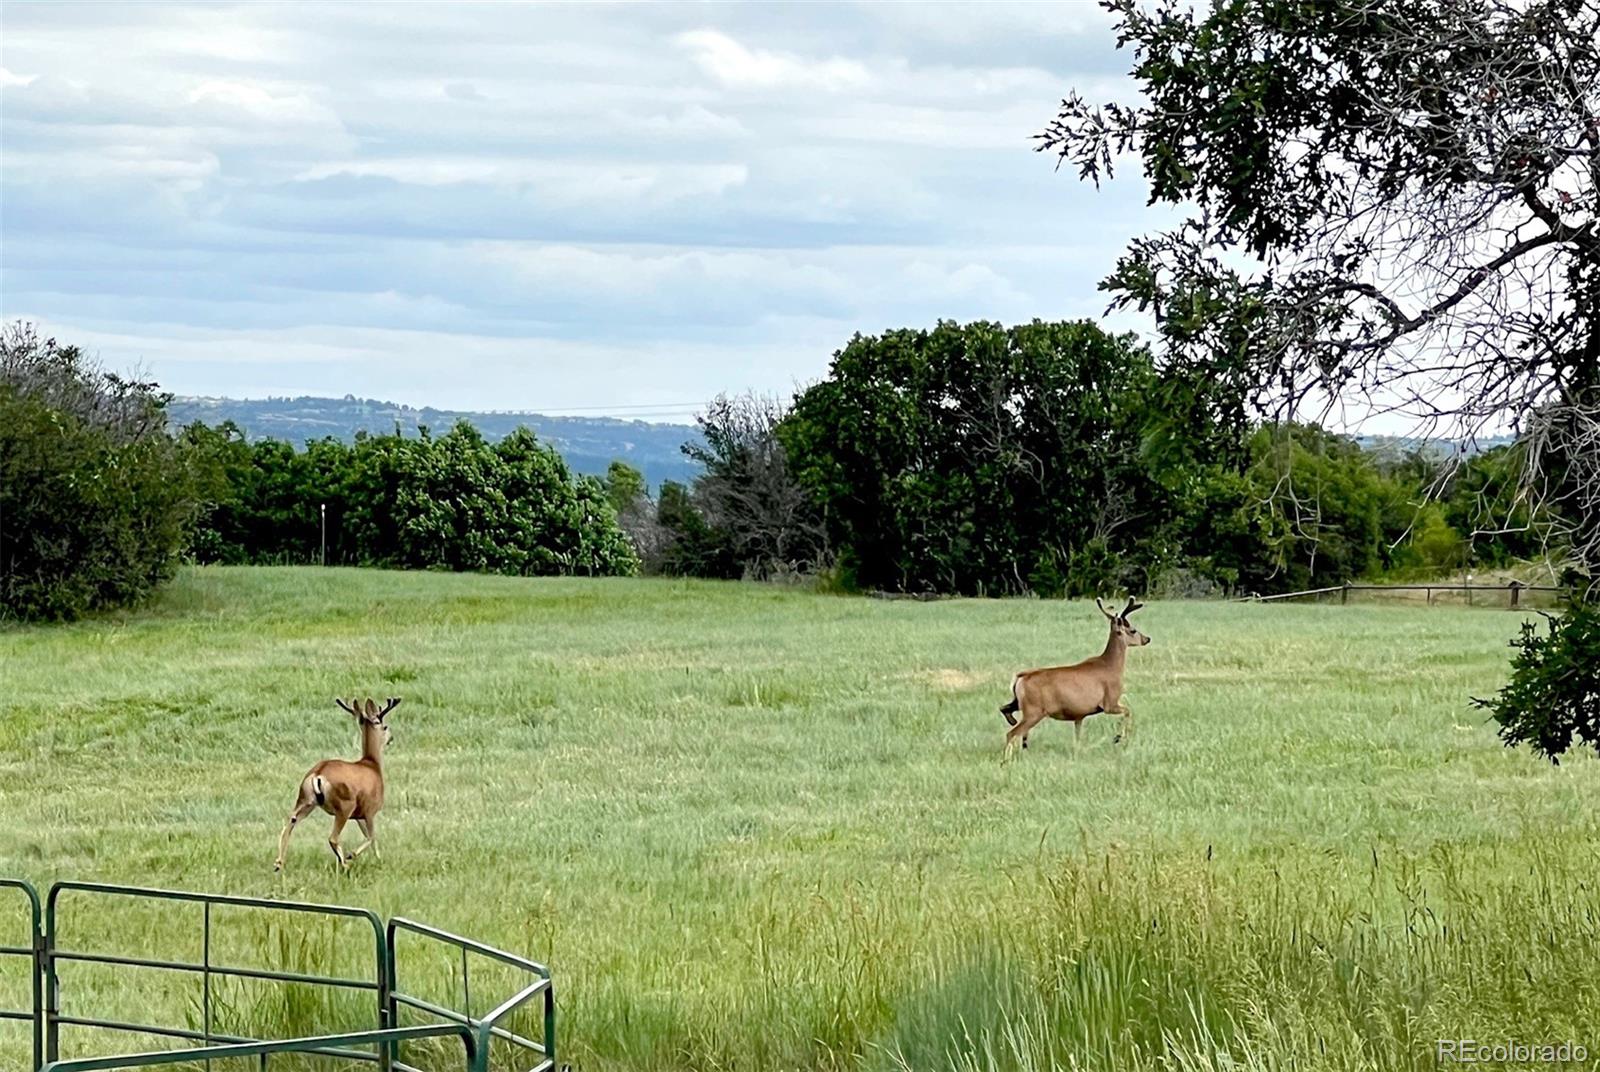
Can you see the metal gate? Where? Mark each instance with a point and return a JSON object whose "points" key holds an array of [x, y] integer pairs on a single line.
{"points": [[48, 954]]}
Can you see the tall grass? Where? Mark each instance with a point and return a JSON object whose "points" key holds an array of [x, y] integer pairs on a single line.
{"points": [[753, 828]]}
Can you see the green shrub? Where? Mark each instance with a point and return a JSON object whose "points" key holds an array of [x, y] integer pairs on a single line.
{"points": [[450, 502], [1553, 696], [96, 500]]}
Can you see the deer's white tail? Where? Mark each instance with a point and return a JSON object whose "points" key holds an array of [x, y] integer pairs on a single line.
{"points": [[316, 790]]}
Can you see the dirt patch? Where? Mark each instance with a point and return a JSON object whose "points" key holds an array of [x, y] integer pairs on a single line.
{"points": [[950, 680]]}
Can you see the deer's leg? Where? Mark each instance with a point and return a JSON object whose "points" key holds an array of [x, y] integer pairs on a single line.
{"points": [[339, 820], [1125, 728], [1019, 732], [367, 828], [1077, 734], [302, 808]]}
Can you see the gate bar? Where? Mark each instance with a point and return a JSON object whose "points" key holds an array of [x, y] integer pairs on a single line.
{"points": [[317, 1045], [35, 953], [49, 955]]}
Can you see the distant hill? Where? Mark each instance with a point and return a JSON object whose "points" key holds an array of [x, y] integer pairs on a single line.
{"points": [[589, 444], [1396, 447]]}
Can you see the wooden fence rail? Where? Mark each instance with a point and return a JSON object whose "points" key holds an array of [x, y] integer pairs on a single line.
{"points": [[1514, 590]]}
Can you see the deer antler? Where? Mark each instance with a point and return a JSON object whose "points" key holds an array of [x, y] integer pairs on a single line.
{"points": [[1103, 610], [389, 705], [1132, 606], [347, 708]]}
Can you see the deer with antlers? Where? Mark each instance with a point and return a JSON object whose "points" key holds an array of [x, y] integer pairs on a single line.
{"points": [[1073, 693], [347, 789]]}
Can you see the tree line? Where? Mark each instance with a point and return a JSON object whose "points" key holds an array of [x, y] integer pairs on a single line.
{"points": [[1052, 459], [1056, 459], [100, 500]]}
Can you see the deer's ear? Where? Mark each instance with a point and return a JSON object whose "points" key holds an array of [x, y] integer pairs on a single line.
{"points": [[371, 709]]}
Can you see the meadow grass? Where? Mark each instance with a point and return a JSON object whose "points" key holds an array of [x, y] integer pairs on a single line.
{"points": [[756, 828]]}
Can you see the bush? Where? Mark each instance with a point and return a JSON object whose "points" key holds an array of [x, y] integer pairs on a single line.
{"points": [[1553, 696], [1183, 582], [979, 459], [450, 502], [96, 500]]}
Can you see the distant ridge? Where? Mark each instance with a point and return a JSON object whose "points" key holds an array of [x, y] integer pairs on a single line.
{"points": [[1396, 446], [589, 444]]}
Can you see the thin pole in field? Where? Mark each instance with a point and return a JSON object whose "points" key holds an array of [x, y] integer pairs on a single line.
{"points": [[324, 512]]}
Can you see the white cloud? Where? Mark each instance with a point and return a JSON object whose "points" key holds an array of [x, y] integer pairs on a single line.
{"points": [[464, 91], [735, 65], [573, 204], [564, 183], [228, 100], [695, 121]]}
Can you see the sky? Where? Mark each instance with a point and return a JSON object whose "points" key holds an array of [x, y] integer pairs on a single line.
{"points": [[596, 208]]}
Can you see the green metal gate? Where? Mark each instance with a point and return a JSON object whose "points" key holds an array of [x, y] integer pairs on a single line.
{"points": [[48, 954]]}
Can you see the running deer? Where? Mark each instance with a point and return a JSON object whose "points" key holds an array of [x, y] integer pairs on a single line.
{"points": [[344, 789], [1073, 693]]}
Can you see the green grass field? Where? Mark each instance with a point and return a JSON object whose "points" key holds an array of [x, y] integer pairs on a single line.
{"points": [[757, 828]]}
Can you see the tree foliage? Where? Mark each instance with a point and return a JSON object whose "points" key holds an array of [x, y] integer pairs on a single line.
{"points": [[1056, 459], [1553, 697], [96, 500], [451, 502], [1393, 204], [1308, 509], [976, 458]]}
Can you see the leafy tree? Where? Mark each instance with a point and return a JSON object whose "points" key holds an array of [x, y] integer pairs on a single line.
{"points": [[1553, 697], [978, 458], [1307, 509], [636, 512], [96, 500], [1486, 499], [691, 547], [1392, 200], [624, 486]]}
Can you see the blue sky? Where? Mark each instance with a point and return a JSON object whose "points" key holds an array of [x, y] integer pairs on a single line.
{"points": [[606, 207]]}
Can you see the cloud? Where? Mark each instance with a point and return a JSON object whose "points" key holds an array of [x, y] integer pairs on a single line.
{"points": [[733, 64], [592, 203], [228, 101], [553, 184]]}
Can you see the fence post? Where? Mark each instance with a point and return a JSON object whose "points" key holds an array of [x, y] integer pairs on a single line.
{"points": [[1516, 591], [1344, 594]]}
